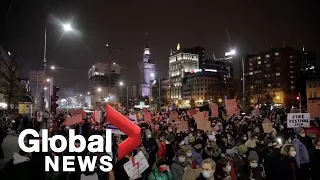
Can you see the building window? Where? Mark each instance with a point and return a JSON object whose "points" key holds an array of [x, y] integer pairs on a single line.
{"points": [[250, 64], [315, 94], [258, 57], [291, 77], [291, 66], [310, 86], [278, 84], [276, 54], [259, 62], [291, 72], [269, 85], [290, 57], [250, 73], [310, 94], [267, 55], [293, 87], [291, 62], [278, 74], [315, 85], [292, 82], [267, 65], [251, 87]]}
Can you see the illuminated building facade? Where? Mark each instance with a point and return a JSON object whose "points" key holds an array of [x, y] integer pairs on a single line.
{"points": [[180, 62], [147, 70]]}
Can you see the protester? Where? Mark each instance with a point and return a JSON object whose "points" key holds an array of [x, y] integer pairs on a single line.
{"points": [[208, 170]]}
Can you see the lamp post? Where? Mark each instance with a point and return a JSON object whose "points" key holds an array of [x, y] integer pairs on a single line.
{"points": [[159, 89], [66, 27], [127, 100], [233, 53]]}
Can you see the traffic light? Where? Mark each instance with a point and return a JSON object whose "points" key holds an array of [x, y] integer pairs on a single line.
{"points": [[54, 99]]}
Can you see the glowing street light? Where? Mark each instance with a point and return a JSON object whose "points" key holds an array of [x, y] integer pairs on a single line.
{"points": [[67, 27], [152, 75], [231, 53], [220, 100], [88, 93], [99, 89], [53, 67], [45, 88], [80, 95], [121, 83], [48, 80], [278, 97]]}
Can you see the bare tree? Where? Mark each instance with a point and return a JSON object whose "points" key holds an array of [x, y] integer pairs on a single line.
{"points": [[10, 85]]}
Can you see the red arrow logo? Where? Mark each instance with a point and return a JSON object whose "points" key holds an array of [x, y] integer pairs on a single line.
{"points": [[126, 126]]}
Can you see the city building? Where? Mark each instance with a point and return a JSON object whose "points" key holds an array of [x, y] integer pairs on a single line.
{"points": [[181, 62], [201, 87], [36, 83], [147, 73], [273, 75], [5, 60], [313, 97], [26, 85], [104, 82], [135, 92]]}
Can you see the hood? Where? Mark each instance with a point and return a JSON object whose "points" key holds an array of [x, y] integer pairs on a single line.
{"points": [[176, 161], [17, 158]]}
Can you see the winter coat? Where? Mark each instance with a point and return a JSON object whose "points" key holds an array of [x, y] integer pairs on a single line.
{"points": [[17, 169], [156, 175], [302, 156], [287, 169], [315, 164], [233, 172], [197, 157], [119, 171], [191, 174], [162, 150], [177, 168]]}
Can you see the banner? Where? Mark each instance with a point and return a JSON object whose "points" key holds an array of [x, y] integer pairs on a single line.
{"points": [[214, 110], [73, 120], [173, 116], [298, 120], [147, 117], [136, 166], [182, 126], [231, 106], [201, 116]]}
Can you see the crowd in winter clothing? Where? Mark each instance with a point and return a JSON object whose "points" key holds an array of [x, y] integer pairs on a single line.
{"points": [[236, 148]]}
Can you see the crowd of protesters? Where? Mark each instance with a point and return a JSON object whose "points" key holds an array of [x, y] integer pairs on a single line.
{"points": [[236, 148]]}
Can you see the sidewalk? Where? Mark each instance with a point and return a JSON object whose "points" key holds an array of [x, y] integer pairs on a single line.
{"points": [[9, 146]]}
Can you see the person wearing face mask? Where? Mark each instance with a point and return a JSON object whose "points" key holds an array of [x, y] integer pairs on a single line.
{"points": [[151, 147], [161, 171], [301, 146], [189, 157], [240, 157], [211, 150], [223, 170], [179, 165], [170, 148], [287, 167], [197, 152], [208, 170], [162, 146], [251, 171]]}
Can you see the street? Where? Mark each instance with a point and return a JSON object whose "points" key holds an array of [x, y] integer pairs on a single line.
{"points": [[9, 146]]}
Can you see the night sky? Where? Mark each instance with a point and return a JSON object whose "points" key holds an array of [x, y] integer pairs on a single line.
{"points": [[252, 25]]}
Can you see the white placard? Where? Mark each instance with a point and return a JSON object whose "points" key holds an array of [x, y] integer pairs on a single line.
{"points": [[135, 168], [298, 120]]}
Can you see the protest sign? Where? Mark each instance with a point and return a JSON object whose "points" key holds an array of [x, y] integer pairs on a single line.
{"points": [[214, 110], [231, 106], [200, 116], [173, 116], [115, 130], [182, 126], [136, 166], [192, 112], [73, 120], [204, 125], [298, 120], [147, 117]]}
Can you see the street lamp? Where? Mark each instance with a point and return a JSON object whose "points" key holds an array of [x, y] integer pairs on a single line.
{"points": [[53, 67], [67, 27], [234, 53], [88, 93], [45, 88], [127, 102], [99, 89], [48, 80]]}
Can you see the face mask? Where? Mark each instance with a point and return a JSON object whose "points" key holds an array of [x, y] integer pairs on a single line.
{"points": [[182, 159], [149, 135], [293, 154], [189, 154], [253, 165], [206, 174], [162, 169], [228, 168]]}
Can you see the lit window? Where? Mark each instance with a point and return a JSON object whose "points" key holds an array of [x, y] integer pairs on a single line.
{"points": [[291, 66], [292, 77], [290, 57], [250, 64], [291, 62], [310, 95], [292, 82], [312, 67], [258, 57], [250, 73], [278, 84], [267, 55], [276, 54], [267, 65], [291, 72], [277, 74], [269, 85], [259, 62], [251, 87], [293, 87]]}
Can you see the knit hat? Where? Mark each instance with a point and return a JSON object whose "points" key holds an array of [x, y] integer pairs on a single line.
{"points": [[242, 149], [187, 148], [198, 141], [170, 137], [181, 152], [253, 156], [191, 139]]}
